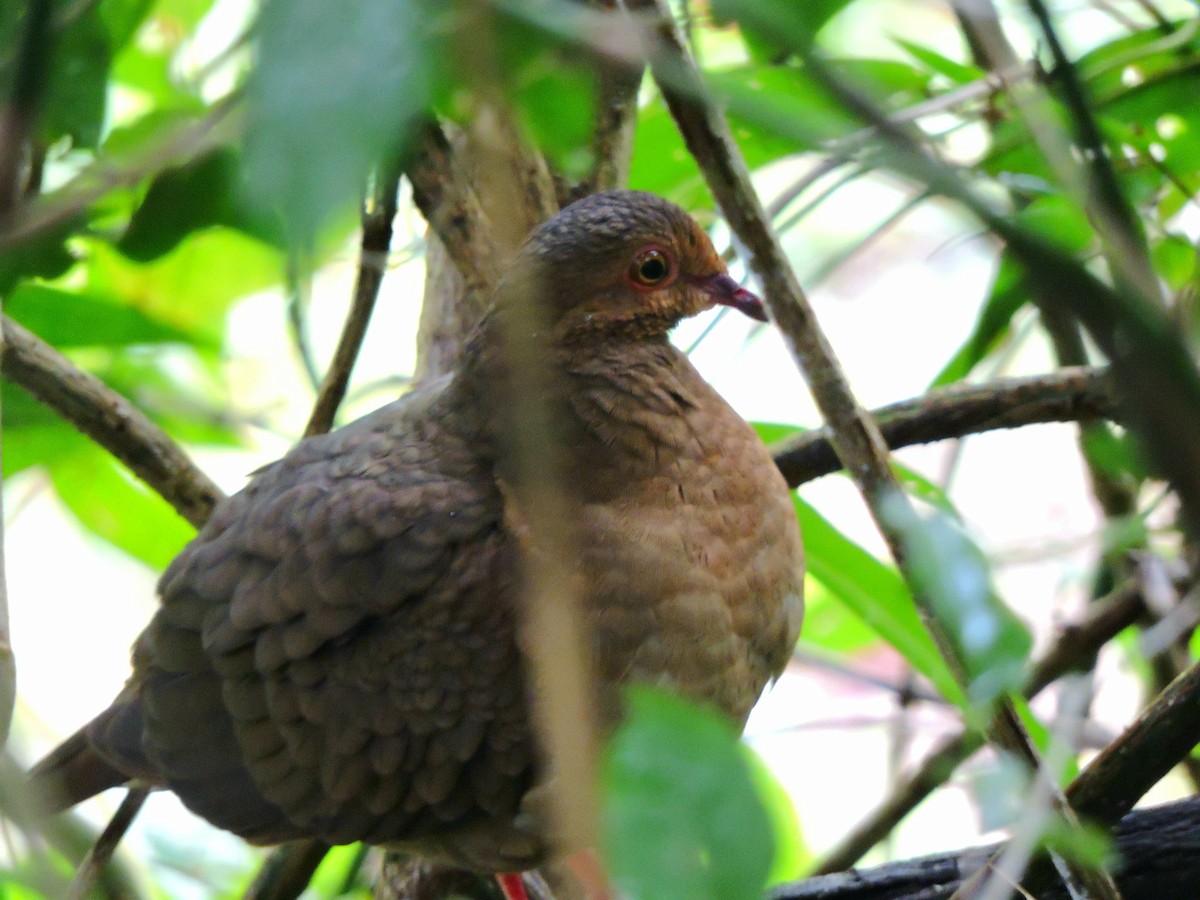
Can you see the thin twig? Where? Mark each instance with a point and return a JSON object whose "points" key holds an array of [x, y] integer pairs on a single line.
{"points": [[1107, 206], [1080, 394], [286, 873], [176, 147], [616, 115], [372, 263], [1074, 649], [108, 419], [29, 77], [102, 851]]}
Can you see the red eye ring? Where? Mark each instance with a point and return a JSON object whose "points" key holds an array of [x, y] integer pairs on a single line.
{"points": [[651, 268]]}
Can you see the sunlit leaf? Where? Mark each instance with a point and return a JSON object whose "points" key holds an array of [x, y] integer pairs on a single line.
{"points": [[874, 592], [953, 576], [75, 319], [956, 71], [111, 503], [1174, 260], [1058, 221], [192, 286], [681, 817]]}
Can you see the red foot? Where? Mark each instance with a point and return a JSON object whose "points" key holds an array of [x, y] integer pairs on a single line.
{"points": [[512, 885]]}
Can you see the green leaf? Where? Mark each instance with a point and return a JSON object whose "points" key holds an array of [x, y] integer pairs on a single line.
{"points": [[121, 19], [1175, 260], [191, 287], [187, 199], [1000, 786], [77, 93], [943, 65], [1042, 737], [77, 319], [1058, 221], [792, 855], [681, 817], [952, 574], [108, 501], [875, 592], [553, 89], [336, 88], [44, 255], [1083, 844], [779, 23], [1117, 454], [829, 623]]}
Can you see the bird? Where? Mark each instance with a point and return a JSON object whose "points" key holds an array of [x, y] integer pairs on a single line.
{"points": [[336, 654]]}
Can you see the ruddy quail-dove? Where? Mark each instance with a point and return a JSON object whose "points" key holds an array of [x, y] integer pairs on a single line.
{"points": [[336, 652]]}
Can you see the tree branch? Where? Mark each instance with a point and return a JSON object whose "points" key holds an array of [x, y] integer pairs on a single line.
{"points": [[376, 240], [452, 209], [287, 871], [98, 857], [1078, 394], [1074, 649], [109, 419], [1159, 849]]}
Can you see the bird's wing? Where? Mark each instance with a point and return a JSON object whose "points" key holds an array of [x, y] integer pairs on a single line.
{"points": [[335, 653]]}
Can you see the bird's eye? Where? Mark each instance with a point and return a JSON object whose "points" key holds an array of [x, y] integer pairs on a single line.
{"points": [[650, 268]]}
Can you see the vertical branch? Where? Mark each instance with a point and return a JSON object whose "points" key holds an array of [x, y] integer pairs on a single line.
{"points": [[554, 641], [616, 116]]}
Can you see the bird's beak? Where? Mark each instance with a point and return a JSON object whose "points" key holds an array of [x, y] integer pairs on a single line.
{"points": [[724, 290]]}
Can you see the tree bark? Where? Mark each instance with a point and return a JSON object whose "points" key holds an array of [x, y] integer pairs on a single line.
{"points": [[1159, 851]]}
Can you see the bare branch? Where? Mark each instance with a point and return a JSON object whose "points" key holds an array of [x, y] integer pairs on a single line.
{"points": [[372, 263], [177, 146], [1157, 848], [1079, 394], [286, 873], [110, 420], [1074, 649], [102, 851], [452, 209]]}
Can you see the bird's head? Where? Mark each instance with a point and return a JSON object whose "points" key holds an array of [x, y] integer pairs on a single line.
{"points": [[626, 263]]}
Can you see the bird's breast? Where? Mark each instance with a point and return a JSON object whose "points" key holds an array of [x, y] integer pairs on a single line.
{"points": [[689, 548]]}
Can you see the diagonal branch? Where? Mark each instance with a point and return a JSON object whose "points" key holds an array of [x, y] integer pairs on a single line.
{"points": [[1077, 394], [376, 240], [854, 435], [452, 209], [1075, 649], [108, 419]]}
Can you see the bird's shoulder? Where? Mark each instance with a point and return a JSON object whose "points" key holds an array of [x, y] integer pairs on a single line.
{"points": [[359, 517]]}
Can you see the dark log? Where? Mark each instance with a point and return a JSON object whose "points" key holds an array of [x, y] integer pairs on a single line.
{"points": [[1159, 850]]}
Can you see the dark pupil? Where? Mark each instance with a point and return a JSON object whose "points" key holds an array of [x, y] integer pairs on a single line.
{"points": [[653, 269]]}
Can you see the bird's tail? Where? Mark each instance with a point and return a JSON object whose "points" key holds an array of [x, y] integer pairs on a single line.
{"points": [[70, 773]]}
